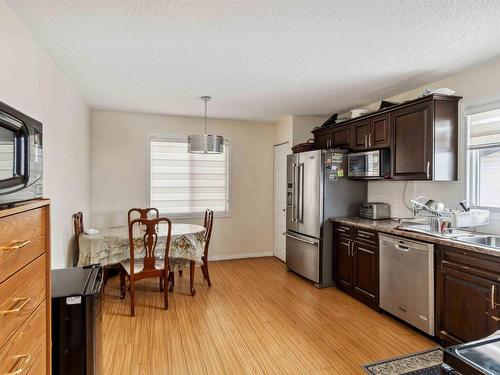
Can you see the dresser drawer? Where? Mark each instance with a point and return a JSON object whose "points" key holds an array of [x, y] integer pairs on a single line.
{"points": [[39, 366], [22, 240], [20, 295], [27, 344]]}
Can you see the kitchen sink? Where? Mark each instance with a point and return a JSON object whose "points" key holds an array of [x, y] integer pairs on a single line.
{"points": [[482, 240]]}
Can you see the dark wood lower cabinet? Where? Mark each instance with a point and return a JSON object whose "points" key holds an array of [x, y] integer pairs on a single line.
{"points": [[365, 283], [343, 262], [467, 298], [356, 262]]}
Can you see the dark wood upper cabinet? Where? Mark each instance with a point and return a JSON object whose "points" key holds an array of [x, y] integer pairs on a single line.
{"points": [[425, 141], [412, 142], [380, 132], [422, 135], [342, 137], [361, 130]]}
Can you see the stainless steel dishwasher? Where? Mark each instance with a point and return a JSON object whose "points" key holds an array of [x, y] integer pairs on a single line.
{"points": [[407, 281]]}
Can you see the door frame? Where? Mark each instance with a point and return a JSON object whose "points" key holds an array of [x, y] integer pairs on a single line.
{"points": [[275, 197]]}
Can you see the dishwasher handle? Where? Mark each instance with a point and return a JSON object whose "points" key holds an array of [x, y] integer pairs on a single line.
{"points": [[401, 247]]}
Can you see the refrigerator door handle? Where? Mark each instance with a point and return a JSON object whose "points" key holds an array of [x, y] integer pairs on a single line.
{"points": [[296, 192], [301, 195], [301, 239], [293, 192]]}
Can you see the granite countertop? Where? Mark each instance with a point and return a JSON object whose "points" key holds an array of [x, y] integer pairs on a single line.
{"points": [[392, 227]]}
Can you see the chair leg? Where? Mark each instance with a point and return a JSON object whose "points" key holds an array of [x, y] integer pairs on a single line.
{"points": [[191, 277], [162, 286], [207, 275], [132, 297], [123, 290], [171, 278], [165, 291]]}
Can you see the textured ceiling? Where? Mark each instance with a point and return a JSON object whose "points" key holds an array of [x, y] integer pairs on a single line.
{"points": [[258, 60]]}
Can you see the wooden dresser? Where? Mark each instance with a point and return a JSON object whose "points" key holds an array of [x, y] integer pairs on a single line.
{"points": [[25, 323]]}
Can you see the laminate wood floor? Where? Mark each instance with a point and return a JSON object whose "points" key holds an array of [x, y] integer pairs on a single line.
{"points": [[256, 318]]}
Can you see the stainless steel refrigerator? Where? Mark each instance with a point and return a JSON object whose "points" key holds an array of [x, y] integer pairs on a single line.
{"points": [[317, 189]]}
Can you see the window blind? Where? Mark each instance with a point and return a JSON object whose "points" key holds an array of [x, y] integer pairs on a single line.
{"points": [[484, 129], [185, 184]]}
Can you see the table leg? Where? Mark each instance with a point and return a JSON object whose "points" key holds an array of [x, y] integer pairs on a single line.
{"points": [[191, 277]]}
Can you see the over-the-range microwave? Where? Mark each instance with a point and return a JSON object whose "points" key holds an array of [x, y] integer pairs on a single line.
{"points": [[370, 164], [21, 157]]}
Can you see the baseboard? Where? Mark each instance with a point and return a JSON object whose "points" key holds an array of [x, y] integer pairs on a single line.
{"points": [[239, 256]]}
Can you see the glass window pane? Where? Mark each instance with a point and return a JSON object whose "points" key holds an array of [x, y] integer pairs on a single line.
{"points": [[489, 177], [184, 183]]}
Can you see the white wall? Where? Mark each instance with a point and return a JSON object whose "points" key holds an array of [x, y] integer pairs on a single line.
{"points": [[477, 86], [119, 176], [32, 83], [302, 126]]}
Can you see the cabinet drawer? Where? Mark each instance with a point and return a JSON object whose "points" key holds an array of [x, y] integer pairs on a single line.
{"points": [[20, 295], [366, 236], [23, 240], [343, 230], [26, 344], [476, 264]]}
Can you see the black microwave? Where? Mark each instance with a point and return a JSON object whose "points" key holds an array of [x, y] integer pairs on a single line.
{"points": [[374, 164], [21, 157]]}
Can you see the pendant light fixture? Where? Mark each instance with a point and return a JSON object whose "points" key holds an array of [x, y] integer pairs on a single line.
{"points": [[206, 143]]}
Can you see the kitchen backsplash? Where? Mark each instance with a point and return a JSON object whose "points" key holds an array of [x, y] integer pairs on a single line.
{"points": [[450, 193]]}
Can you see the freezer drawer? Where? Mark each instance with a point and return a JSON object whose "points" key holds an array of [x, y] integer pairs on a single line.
{"points": [[407, 281], [302, 255]]}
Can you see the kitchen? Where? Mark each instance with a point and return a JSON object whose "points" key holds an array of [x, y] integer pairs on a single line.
{"points": [[249, 187], [433, 269]]}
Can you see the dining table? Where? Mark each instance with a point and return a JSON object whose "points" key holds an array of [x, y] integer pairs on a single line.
{"points": [[111, 245]]}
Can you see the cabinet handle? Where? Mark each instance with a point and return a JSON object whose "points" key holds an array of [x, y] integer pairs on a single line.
{"points": [[27, 358], [364, 236], [16, 245], [370, 140], [428, 170], [19, 308], [342, 230], [352, 248], [492, 299]]}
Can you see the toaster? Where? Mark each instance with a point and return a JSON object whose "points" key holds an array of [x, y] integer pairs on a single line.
{"points": [[374, 210]]}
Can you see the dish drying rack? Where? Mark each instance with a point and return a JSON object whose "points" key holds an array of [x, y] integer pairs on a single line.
{"points": [[445, 220]]}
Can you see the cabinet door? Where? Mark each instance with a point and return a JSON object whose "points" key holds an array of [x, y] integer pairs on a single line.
{"points": [[365, 276], [412, 142], [361, 130], [343, 262], [342, 137], [465, 312], [323, 140], [379, 132]]}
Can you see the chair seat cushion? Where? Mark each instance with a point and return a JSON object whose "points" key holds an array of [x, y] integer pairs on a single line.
{"points": [[139, 265]]}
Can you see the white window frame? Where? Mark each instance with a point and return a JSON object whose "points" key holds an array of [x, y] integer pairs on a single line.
{"points": [[176, 138], [471, 185]]}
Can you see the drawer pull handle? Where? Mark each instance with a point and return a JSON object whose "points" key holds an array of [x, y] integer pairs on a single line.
{"points": [[364, 235], [342, 230], [15, 245], [19, 308], [26, 357]]}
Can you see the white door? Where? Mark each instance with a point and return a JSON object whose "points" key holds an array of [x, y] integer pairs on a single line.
{"points": [[280, 153]]}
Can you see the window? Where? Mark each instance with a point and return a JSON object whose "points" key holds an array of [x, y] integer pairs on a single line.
{"points": [[184, 184], [484, 159]]}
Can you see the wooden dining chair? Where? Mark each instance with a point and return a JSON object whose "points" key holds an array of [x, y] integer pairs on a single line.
{"points": [[144, 213], [78, 230], [136, 269], [208, 224]]}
